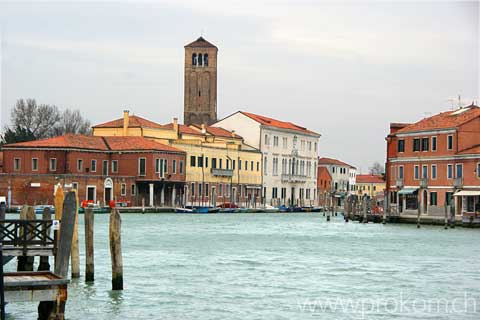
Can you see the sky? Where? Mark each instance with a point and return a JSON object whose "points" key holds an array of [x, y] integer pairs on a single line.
{"points": [[343, 69]]}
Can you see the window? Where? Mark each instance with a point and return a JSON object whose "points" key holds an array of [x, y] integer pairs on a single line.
{"points": [[142, 166], [478, 170], [228, 164], [434, 171], [53, 164], [266, 140], [115, 166], [220, 163], [93, 166], [275, 166], [434, 143], [275, 141], [132, 190], [192, 190], [105, 167], [265, 165], [75, 186], [180, 169], [205, 60], [194, 59], [416, 174], [450, 171], [206, 189], [284, 193], [200, 189], [401, 145], [200, 59], [425, 171], [220, 190], [449, 142], [425, 144], [285, 143], [433, 198], [214, 163], [416, 144], [34, 164], [192, 161], [206, 162], [459, 170], [274, 192], [251, 165], [246, 165], [315, 146], [200, 162], [233, 164], [400, 172], [448, 198], [174, 166], [79, 165], [123, 189], [309, 145], [239, 164], [258, 166]]}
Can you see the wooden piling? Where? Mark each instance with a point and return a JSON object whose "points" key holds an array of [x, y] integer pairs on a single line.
{"points": [[446, 216], [365, 207], [385, 207], [419, 208], [44, 263], [116, 249], [75, 256], [25, 263], [452, 217], [89, 248]]}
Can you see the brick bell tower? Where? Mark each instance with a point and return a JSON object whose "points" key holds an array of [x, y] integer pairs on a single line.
{"points": [[200, 91]]}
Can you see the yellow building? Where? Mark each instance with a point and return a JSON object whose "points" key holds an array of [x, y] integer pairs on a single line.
{"points": [[371, 185], [220, 167]]}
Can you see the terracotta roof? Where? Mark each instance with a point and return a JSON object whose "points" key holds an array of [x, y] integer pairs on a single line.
{"points": [[182, 129], [369, 178], [219, 132], [444, 120], [66, 141], [115, 143], [200, 43], [133, 122], [323, 170], [266, 121], [472, 150], [324, 161]]}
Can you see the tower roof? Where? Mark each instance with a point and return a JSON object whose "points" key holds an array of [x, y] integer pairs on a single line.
{"points": [[200, 43]]}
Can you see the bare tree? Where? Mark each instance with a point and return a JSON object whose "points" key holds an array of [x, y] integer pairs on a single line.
{"points": [[377, 169], [39, 119], [71, 121]]}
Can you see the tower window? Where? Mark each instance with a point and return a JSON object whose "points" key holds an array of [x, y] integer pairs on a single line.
{"points": [[200, 59], [199, 93], [194, 59], [205, 60]]}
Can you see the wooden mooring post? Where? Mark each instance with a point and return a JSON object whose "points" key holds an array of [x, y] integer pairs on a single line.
{"points": [[446, 216], [115, 229], [89, 249], [44, 263], [419, 209], [75, 257], [25, 263]]}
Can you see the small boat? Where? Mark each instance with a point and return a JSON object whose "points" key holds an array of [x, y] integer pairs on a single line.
{"points": [[311, 209], [183, 210], [39, 209]]}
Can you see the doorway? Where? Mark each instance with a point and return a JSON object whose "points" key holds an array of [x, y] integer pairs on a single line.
{"points": [[425, 202], [91, 193]]}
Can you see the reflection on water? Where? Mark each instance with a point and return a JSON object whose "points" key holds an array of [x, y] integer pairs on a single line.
{"points": [[269, 266]]}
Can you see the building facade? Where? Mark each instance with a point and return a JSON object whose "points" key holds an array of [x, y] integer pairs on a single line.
{"points": [[200, 91], [343, 177], [220, 167], [101, 169], [371, 185], [324, 186], [430, 161], [289, 163]]}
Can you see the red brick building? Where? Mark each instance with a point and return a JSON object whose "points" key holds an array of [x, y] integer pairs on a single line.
{"points": [[324, 185], [431, 160], [124, 169]]}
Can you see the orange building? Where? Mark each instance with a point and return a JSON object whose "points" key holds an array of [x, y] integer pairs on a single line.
{"points": [[430, 161], [324, 185]]}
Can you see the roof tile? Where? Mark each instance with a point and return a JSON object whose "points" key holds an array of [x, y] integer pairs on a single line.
{"points": [[266, 121]]}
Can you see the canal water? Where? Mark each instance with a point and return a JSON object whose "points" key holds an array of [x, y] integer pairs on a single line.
{"points": [[277, 266]]}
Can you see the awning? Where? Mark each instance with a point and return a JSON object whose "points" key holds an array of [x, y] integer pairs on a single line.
{"points": [[408, 191], [467, 193]]}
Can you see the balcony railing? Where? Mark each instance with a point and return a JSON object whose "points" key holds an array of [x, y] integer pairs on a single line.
{"points": [[399, 182], [294, 178], [458, 183], [222, 172]]}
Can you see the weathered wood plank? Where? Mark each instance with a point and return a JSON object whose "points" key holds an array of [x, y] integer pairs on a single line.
{"points": [[75, 255], [89, 248], [116, 249], [66, 235], [44, 263]]}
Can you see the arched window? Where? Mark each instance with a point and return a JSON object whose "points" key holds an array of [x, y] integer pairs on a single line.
{"points": [[205, 59], [194, 59], [200, 59]]}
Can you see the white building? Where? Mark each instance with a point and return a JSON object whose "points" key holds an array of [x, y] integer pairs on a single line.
{"points": [[344, 177], [290, 154]]}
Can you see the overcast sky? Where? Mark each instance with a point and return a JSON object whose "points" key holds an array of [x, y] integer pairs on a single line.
{"points": [[343, 70]]}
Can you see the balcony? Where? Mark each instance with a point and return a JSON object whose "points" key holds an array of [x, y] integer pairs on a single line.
{"points": [[424, 183], [458, 183], [222, 172], [399, 183], [294, 178]]}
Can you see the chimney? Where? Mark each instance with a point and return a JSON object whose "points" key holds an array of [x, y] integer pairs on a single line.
{"points": [[204, 130], [175, 127], [233, 133], [126, 118]]}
